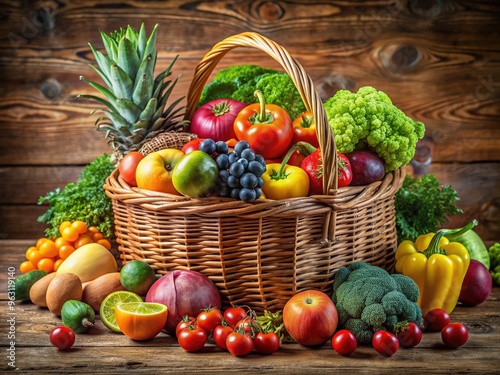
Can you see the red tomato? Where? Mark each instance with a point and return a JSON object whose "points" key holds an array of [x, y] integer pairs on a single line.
{"points": [[128, 166], [239, 344], [220, 334], [385, 343], [454, 335], [247, 325], [266, 343], [191, 145], [62, 337], [233, 315], [184, 323], [304, 129], [436, 320], [310, 317], [344, 342], [295, 159], [192, 338], [209, 319], [410, 336]]}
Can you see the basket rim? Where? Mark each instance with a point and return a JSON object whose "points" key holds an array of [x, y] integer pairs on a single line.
{"points": [[302, 81]]}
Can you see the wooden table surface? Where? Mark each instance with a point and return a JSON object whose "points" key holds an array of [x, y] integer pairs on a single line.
{"points": [[24, 334]]}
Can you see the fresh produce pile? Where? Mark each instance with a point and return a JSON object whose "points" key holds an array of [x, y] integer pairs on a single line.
{"points": [[255, 141]]}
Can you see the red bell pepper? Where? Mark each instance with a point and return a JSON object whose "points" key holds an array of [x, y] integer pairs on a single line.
{"points": [[304, 129], [266, 127]]}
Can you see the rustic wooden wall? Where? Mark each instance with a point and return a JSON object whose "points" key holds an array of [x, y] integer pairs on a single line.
{"points": [[438, 60]]}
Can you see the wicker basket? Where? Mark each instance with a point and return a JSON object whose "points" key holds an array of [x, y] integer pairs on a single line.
{"points": [[260, 253]]}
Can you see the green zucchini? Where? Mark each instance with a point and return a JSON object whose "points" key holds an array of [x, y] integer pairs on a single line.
{"points": [[475, 246], [77, 315], [24, 282]]}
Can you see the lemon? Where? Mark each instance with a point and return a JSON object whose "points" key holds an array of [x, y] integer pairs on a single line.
{"points": [[108, 306], [137, 277], [141, 320]]}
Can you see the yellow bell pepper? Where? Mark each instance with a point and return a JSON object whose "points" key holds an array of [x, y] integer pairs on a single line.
{"points": [[437, 266]]}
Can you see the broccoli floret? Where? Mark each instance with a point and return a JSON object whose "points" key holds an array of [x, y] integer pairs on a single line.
{"points": [[239, 82], [369, 119], [216, 90], [494, 253], [368, 298]]}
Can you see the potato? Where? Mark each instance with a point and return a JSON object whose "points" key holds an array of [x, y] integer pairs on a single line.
{"points": [[96, 290], [38, 291]]}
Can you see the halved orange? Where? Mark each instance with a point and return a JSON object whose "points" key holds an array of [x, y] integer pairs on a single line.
{"points": [[141, 320]]}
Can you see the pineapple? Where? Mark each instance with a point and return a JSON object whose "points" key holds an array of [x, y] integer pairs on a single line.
{"points": [[136, 100]]}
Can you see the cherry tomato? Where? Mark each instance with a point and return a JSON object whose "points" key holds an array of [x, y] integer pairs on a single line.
{"points": [[209, 319], [220, 334], [185, 322], [266, 343], [410, 336], [385, 343], [62, 337], [233, 315], [128, 166], [191, 145], [454, 335], [344, 342], [436, 320], [192, 338], [239, 344], [246, 325]]}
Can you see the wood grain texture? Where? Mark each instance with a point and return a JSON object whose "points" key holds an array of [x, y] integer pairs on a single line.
{"points": [[438, 60], [104, 352]]}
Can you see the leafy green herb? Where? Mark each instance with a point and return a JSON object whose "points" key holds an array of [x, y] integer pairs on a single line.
{"points": [[273, 322], [84, 200], [422, 205]]}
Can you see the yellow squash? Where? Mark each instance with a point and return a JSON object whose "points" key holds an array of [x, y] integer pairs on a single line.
{"points": [[89, 262], [437, 266]]}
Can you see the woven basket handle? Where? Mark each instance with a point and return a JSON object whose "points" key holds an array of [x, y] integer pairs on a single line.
{"points": [[302, 81]]}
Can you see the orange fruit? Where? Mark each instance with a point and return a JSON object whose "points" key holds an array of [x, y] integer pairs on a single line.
{"points": [[141, 320], [104, 242], [60, 242], [34, 257], [63, 225]]}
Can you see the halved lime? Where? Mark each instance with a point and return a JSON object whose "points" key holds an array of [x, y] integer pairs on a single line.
{"points": [[108, 305]]}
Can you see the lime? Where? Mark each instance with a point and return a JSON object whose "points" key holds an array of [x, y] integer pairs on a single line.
{"points": [[195, 174], [137, 277], [108, 305], [141, 320]]}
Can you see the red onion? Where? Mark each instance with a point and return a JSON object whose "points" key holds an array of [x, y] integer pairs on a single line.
{"points": [[215, 119], [184, 293]]}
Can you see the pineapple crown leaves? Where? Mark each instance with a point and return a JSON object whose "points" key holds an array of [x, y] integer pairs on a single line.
{"points": [[135, 100]]}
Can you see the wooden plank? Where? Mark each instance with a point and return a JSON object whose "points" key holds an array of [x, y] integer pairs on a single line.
{"points": [[31, 326]]}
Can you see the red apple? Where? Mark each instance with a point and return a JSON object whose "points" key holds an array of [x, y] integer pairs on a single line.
{"points": [[154, 172], [310, 317]]}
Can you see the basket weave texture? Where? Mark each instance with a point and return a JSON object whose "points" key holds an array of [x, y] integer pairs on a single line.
{"points": [[260, 253]]}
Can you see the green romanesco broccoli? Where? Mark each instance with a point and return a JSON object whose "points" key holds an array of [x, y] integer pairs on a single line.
{"points": [[494, 253], [368, 298], [369, 119], [239, 82]]}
